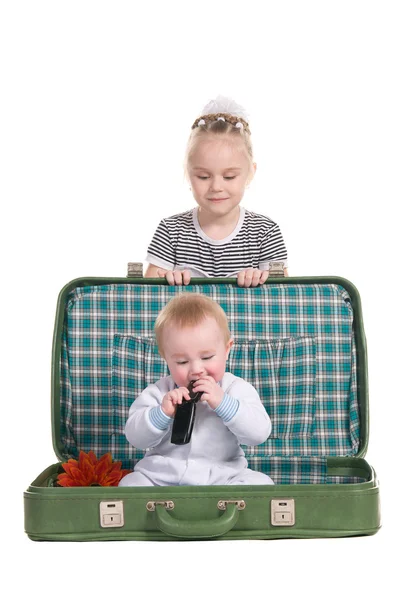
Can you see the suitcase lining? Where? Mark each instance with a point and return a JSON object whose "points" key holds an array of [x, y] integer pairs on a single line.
{"points": [[294, 343]]}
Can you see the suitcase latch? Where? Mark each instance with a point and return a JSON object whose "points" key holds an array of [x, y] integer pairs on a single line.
{"points": [[282, 512], [112, 513]]}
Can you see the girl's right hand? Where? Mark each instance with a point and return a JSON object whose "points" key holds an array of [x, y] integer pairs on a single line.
{"points": [[175, 277], [172, 398]]}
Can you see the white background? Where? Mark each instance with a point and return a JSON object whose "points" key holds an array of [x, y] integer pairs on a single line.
{"points": [[97, 102]]}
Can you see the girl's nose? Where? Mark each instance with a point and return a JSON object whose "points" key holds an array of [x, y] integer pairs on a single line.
{"points": [[216, 185]]}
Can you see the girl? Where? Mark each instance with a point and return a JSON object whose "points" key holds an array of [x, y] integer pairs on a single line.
{"points": [[218, 238]]}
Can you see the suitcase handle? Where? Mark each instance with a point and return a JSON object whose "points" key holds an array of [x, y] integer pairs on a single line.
{"points": [[197, 529]]}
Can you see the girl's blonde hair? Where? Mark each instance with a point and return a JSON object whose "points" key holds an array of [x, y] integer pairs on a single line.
{"points": [[189, 310], [219, 124]]}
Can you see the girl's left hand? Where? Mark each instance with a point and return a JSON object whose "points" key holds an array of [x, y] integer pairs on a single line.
{"points": [[252, 277], [212, 392]]}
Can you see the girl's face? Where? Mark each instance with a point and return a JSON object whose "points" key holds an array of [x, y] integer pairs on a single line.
{"points": [[193, 352], [219, 170]]}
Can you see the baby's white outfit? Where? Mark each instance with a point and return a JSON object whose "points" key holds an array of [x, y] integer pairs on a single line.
{"points": [[214, 455]]}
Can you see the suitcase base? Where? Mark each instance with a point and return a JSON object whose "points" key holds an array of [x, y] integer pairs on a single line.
{"points": [[317, 511]]}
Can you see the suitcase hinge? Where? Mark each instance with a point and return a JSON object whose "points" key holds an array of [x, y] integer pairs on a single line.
{"points": [[276, 269], [135, 269], [168, 504], [241, 504]]}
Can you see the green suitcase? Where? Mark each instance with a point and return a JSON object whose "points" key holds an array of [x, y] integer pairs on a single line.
{"points": [[299, 341]]}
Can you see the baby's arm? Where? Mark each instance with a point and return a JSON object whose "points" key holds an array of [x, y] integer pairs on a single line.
{"points": [[147, 422], [251, 423]]}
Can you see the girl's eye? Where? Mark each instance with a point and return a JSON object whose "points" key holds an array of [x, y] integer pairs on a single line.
{"points": [[183, 362], [208, 357], [204, 177]]}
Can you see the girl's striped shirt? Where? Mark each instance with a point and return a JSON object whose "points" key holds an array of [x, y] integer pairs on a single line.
{"points": [[180, 243]]}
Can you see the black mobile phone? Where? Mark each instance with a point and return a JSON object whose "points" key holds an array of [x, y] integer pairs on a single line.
{"points": [[184, 418]]}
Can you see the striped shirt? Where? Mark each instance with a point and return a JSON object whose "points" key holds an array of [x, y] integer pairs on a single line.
{"points": [[180, 243]]}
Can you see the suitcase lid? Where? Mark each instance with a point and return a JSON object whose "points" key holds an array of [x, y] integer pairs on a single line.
{"points": [[300, 342]]}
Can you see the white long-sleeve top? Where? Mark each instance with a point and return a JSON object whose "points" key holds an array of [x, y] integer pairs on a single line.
{"points": [[215, 442]]}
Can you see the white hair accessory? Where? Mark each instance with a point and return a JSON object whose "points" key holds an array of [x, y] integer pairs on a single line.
{"points": [[221, 119], [201, 122], [239, 125], [222, 104]]}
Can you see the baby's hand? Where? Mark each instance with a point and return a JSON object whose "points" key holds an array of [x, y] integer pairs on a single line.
{"points": [[212, 392], [175, 277], [172, 398], [252, 277]]}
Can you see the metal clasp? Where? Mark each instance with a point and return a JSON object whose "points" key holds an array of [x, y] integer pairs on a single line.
{"points": [[283, 512], [112, 513], [241, 504], [168, 504], [135, 269], [276, 269]]}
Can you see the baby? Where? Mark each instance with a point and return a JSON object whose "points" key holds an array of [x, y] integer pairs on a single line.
{"points": [[193, 336]]}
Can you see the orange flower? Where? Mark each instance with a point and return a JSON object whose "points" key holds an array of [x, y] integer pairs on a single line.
{"points": [[89, 471]]}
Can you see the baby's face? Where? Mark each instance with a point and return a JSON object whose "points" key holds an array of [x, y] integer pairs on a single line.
{"points": [[219, 170], [193, 352]]}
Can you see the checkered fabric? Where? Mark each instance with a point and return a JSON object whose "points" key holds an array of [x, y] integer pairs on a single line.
{"points": [[293, 342]]}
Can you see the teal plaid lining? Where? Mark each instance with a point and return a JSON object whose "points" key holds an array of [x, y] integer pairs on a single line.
{"points": [[135, 365], [285, 470], [283, 373], [337, 479], [293, 342]]}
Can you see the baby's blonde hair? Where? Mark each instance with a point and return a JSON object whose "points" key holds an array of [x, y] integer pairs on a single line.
{"points": [[214, 125], [189, 310]]}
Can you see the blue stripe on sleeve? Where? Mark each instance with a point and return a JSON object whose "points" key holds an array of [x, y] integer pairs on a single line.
{"points": [[158, 418], [228, 408]]}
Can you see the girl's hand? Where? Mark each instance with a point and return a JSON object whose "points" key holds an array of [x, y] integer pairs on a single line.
{"points": [[252, 277], [212, 392], [172, 398], [175, 277]]}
